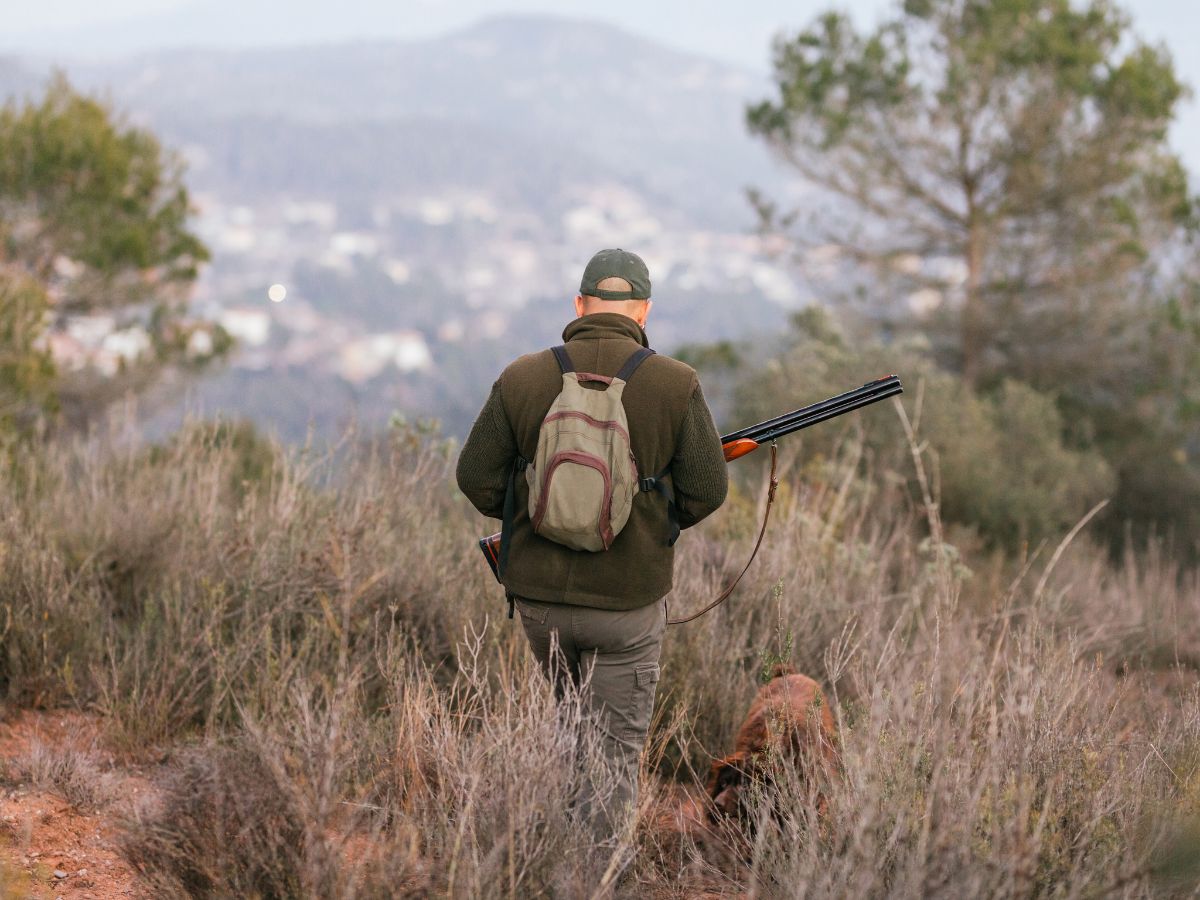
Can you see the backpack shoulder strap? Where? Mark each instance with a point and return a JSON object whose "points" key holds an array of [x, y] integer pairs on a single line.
{"points": [[639, 356], [564, 361]]}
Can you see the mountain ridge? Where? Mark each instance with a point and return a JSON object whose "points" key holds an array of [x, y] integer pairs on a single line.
{"points": [[197, 24], [668, 120]]}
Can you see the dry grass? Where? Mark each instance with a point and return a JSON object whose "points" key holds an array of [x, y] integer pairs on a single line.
{"points": [[320, 648], [71, 773]]}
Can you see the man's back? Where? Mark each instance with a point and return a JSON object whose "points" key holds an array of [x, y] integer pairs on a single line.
{"points": [[670, 430], [597, 618]]}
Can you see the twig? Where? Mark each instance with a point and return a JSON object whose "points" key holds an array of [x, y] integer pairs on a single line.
{"points": [[362, 805], [1174, 775], [1062, 545], [931, 509]]}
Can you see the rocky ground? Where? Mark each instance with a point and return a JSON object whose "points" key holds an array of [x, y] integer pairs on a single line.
{"points": [[61, 800]]}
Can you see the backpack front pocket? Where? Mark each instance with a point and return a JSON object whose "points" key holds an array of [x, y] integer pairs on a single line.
{"points": [[574, 485]]}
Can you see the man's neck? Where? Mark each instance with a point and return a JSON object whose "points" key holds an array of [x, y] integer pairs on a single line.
{"points": [[605, 325]]}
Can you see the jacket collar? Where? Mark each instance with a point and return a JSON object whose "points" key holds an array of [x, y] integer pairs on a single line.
{"points": [[605, 325]]}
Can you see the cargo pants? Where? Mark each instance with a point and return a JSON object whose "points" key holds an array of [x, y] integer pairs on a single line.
{"points": [[615, 654]]}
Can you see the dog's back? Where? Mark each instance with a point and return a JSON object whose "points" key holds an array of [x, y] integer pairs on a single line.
{"points": [[788, 714], [788, 720]]}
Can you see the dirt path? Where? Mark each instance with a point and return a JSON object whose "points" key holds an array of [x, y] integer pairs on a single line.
{"points": [[50, 846]]}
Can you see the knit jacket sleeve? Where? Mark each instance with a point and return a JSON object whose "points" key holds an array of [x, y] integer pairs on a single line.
{"points": [[487, 457], [698, 470]]}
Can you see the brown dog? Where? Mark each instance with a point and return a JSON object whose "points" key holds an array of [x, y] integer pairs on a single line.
{"points": [[789, 723]]}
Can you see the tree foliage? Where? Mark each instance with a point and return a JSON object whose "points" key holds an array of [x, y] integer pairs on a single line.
{"points": [[1001, 160], [26, 369], [93, 222], [76, 184]]}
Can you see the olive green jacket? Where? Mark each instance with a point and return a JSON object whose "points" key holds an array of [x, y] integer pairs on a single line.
{"points": [[671, 429]]}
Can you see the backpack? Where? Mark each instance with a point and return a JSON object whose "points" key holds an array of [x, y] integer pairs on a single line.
{"points": [[583, 476]]}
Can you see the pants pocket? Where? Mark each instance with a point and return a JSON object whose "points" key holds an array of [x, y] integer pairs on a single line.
{"points": [[532, 611], [641, 701]]}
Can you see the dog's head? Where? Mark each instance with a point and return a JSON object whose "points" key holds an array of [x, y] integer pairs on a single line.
{"points": [[725, 782]]}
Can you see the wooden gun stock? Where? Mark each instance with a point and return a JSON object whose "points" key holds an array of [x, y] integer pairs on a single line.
{"points": [[490, 546], [738, 448]]}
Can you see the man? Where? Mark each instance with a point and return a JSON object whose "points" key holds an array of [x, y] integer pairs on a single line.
{"points": [[603, 611]]}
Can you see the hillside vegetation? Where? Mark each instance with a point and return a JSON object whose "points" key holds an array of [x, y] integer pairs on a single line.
{"points": [[317, 651]]}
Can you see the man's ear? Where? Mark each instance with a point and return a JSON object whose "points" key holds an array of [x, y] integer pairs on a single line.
{"points": [[641, 320], [579, 306]]}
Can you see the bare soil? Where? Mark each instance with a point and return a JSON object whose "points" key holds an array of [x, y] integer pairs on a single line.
{"points": [[48, 847]]}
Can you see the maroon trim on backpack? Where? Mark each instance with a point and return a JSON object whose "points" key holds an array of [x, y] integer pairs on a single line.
{"points": [[606, 532], [591, 420]]}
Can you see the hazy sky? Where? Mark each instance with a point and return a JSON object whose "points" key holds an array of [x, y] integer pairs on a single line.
{"points": [[738, 32]]}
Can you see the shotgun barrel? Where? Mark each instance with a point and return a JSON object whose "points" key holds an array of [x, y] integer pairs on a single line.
{"points": [[772, 429], [738, 443], [871, 392]]}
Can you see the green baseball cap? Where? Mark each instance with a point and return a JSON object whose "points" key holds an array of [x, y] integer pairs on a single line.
{"points": [[616, 263]]}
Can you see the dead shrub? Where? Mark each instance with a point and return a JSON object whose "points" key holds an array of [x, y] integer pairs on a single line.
{"points": [[227, 828], [72, 774], [364, 722]]}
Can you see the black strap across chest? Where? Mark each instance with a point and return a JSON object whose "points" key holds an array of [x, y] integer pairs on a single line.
{"points": [[626, 371]]}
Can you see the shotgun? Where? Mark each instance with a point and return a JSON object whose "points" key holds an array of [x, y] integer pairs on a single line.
{"points": [[739, 443]]}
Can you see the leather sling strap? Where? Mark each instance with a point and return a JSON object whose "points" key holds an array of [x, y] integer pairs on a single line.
{"points": [[725, 594]]}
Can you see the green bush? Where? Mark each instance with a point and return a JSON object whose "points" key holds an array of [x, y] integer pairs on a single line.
{"points": [[1004, 467], [26, 369], [998, 460]]}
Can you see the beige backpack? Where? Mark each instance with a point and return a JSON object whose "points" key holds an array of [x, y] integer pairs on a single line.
{"points": [[583, 476]]}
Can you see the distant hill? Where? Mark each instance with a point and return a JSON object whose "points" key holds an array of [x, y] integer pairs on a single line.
{"points": [[258, 155], [581, 93], [449, 188]]}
